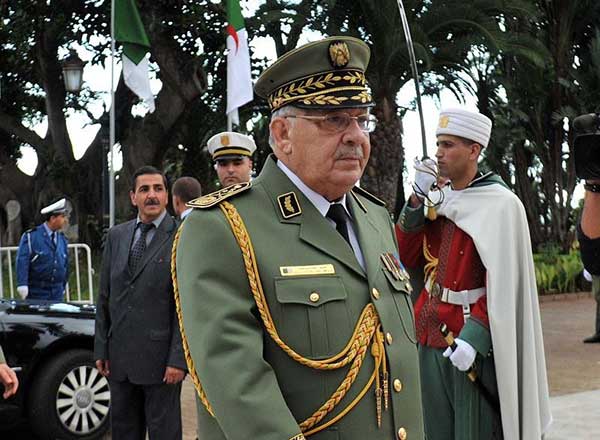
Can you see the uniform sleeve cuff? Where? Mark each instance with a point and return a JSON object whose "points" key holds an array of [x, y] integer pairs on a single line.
{"points": [[477, 335], [411, 219]]}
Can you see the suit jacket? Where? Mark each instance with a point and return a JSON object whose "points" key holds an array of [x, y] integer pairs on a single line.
{"points": [[256, 390], [136, 323]]}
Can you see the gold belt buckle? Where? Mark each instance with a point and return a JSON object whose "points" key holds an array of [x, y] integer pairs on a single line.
{"points": [[436, 289]]}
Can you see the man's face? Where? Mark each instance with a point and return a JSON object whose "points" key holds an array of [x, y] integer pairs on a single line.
{"points": [[232, 171], [454, 156], [57, 222], [330, 162], [150, 196]]}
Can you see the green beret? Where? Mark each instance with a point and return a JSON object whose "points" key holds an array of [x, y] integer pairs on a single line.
{"points": [[325, 74]]}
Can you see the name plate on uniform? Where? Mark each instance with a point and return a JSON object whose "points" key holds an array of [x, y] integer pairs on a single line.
{"points": [[315, 269]]}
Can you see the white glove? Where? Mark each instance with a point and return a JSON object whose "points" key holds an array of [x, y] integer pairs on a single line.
{"points": [[463, 356], [425, 176], [23, 291]]}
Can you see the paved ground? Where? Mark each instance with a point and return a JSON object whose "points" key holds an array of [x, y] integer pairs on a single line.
{"points": [[573, 370], [573, 373]]}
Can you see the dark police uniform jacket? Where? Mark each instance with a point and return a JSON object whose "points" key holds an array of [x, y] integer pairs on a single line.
{"points": [[42, 265]]}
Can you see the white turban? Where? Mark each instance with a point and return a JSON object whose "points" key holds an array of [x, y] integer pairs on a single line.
{"points": [[469, 125]]}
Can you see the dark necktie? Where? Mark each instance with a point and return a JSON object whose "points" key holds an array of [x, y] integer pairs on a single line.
{"points": [[53, 239], [137, 251], [338, 215]]}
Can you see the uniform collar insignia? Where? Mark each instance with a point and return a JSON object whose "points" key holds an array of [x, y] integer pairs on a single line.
{"points": [[289, 205]]}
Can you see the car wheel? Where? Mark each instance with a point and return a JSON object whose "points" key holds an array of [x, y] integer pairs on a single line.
{"points": [[69, 398]]}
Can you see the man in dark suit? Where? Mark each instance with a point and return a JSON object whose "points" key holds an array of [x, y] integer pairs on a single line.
{"points": [[138, 344]]}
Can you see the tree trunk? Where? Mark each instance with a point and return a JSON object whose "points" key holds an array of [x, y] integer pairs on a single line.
{"points": [[384, 172]]}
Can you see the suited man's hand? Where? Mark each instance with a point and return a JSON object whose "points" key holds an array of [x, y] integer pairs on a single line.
{"points": [[103, 366], [173, 375], [9, 379]]}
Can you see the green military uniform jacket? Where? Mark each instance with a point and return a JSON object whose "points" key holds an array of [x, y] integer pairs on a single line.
{"points": [[255, 389]]}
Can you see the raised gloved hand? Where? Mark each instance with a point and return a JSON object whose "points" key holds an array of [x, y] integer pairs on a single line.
{"points": [[23, 291], [463, 356], [425, 176]]}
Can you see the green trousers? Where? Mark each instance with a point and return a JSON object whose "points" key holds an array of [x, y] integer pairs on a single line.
{"points": [[453, 407]]}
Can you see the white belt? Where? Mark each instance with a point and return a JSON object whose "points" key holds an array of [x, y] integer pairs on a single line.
{"points": [[460, 298]]}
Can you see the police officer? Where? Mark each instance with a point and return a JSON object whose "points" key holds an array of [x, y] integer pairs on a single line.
{"points": [[232, 153], [295, 311], [42, 258]]}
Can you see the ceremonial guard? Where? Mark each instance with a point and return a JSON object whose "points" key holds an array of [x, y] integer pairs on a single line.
{"points": [[232, 154], [472, 238], [42, 258], [294, 308]]}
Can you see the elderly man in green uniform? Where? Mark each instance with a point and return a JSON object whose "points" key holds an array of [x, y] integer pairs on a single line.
{"points": [[295, 310]]}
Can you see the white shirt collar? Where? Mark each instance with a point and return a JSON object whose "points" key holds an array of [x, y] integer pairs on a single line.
{"points": [[320, 202], [185, 213], [157, 221]]}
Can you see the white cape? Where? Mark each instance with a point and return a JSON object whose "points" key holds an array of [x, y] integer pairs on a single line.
{"points": [[495, 219]]}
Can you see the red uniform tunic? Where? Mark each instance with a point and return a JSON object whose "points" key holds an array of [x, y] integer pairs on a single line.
{"points": [[462, 269]]}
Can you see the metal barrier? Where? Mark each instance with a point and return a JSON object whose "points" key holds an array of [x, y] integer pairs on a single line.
{"points": [[6, 259]]}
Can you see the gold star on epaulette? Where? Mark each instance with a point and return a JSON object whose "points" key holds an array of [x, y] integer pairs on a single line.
{"points": [[217, 197]]}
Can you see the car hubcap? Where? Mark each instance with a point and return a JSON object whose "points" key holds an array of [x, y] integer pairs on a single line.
{"points": [[83, 400]]}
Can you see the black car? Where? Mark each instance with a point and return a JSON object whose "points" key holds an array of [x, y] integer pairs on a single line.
{"points": [[61, 394]]}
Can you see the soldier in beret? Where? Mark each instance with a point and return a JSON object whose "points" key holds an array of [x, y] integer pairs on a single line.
{"points": [[294, 307], [232, 153]]}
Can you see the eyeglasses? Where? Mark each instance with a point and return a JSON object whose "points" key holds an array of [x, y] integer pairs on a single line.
{"points": [[341, 121]]}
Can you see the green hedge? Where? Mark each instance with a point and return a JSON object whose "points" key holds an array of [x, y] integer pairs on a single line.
{"points": [[556, 272]]}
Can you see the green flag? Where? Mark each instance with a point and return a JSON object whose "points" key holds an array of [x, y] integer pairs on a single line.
{"points": [[130, 32]]}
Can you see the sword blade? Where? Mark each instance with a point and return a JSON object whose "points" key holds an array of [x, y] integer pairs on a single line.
{"points": [[415, 72]]}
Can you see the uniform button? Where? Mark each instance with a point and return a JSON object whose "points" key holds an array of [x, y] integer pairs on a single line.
{"points": [[462, 252], [397, 385], [389, 338], [314, 297], [375, 293], [454, 282], [402, 435]]}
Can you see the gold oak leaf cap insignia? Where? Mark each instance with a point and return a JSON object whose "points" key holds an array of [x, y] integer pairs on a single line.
{"points": [[339, 54], [324, 74], [224, 140], [288, 205]]}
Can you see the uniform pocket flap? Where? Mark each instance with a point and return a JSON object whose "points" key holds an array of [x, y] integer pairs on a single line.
{"points": [[310, 291], [402, 286]]}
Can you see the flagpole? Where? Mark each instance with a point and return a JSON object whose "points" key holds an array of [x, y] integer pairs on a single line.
{"points": [[229, 122], [111, 173]]}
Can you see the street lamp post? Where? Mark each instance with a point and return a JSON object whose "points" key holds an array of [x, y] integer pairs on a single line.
{"points": [[72, 68]]}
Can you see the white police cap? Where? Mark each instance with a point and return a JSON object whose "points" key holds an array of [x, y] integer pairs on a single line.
{"points": [[229, 144], [59, 207]]}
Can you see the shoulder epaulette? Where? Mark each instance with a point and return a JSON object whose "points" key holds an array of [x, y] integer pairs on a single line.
{"points": [[368, 195], [217, 197], [28, 231]]}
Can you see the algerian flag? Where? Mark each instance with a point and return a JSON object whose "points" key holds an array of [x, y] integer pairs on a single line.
{"points": [[239, 81], [129, 31]]}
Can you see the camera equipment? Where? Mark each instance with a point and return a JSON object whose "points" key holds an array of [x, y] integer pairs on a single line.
{"points": [[587, 146]]}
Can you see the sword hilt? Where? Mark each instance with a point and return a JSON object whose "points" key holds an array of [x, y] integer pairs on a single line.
{"points": [[451, 341]]}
